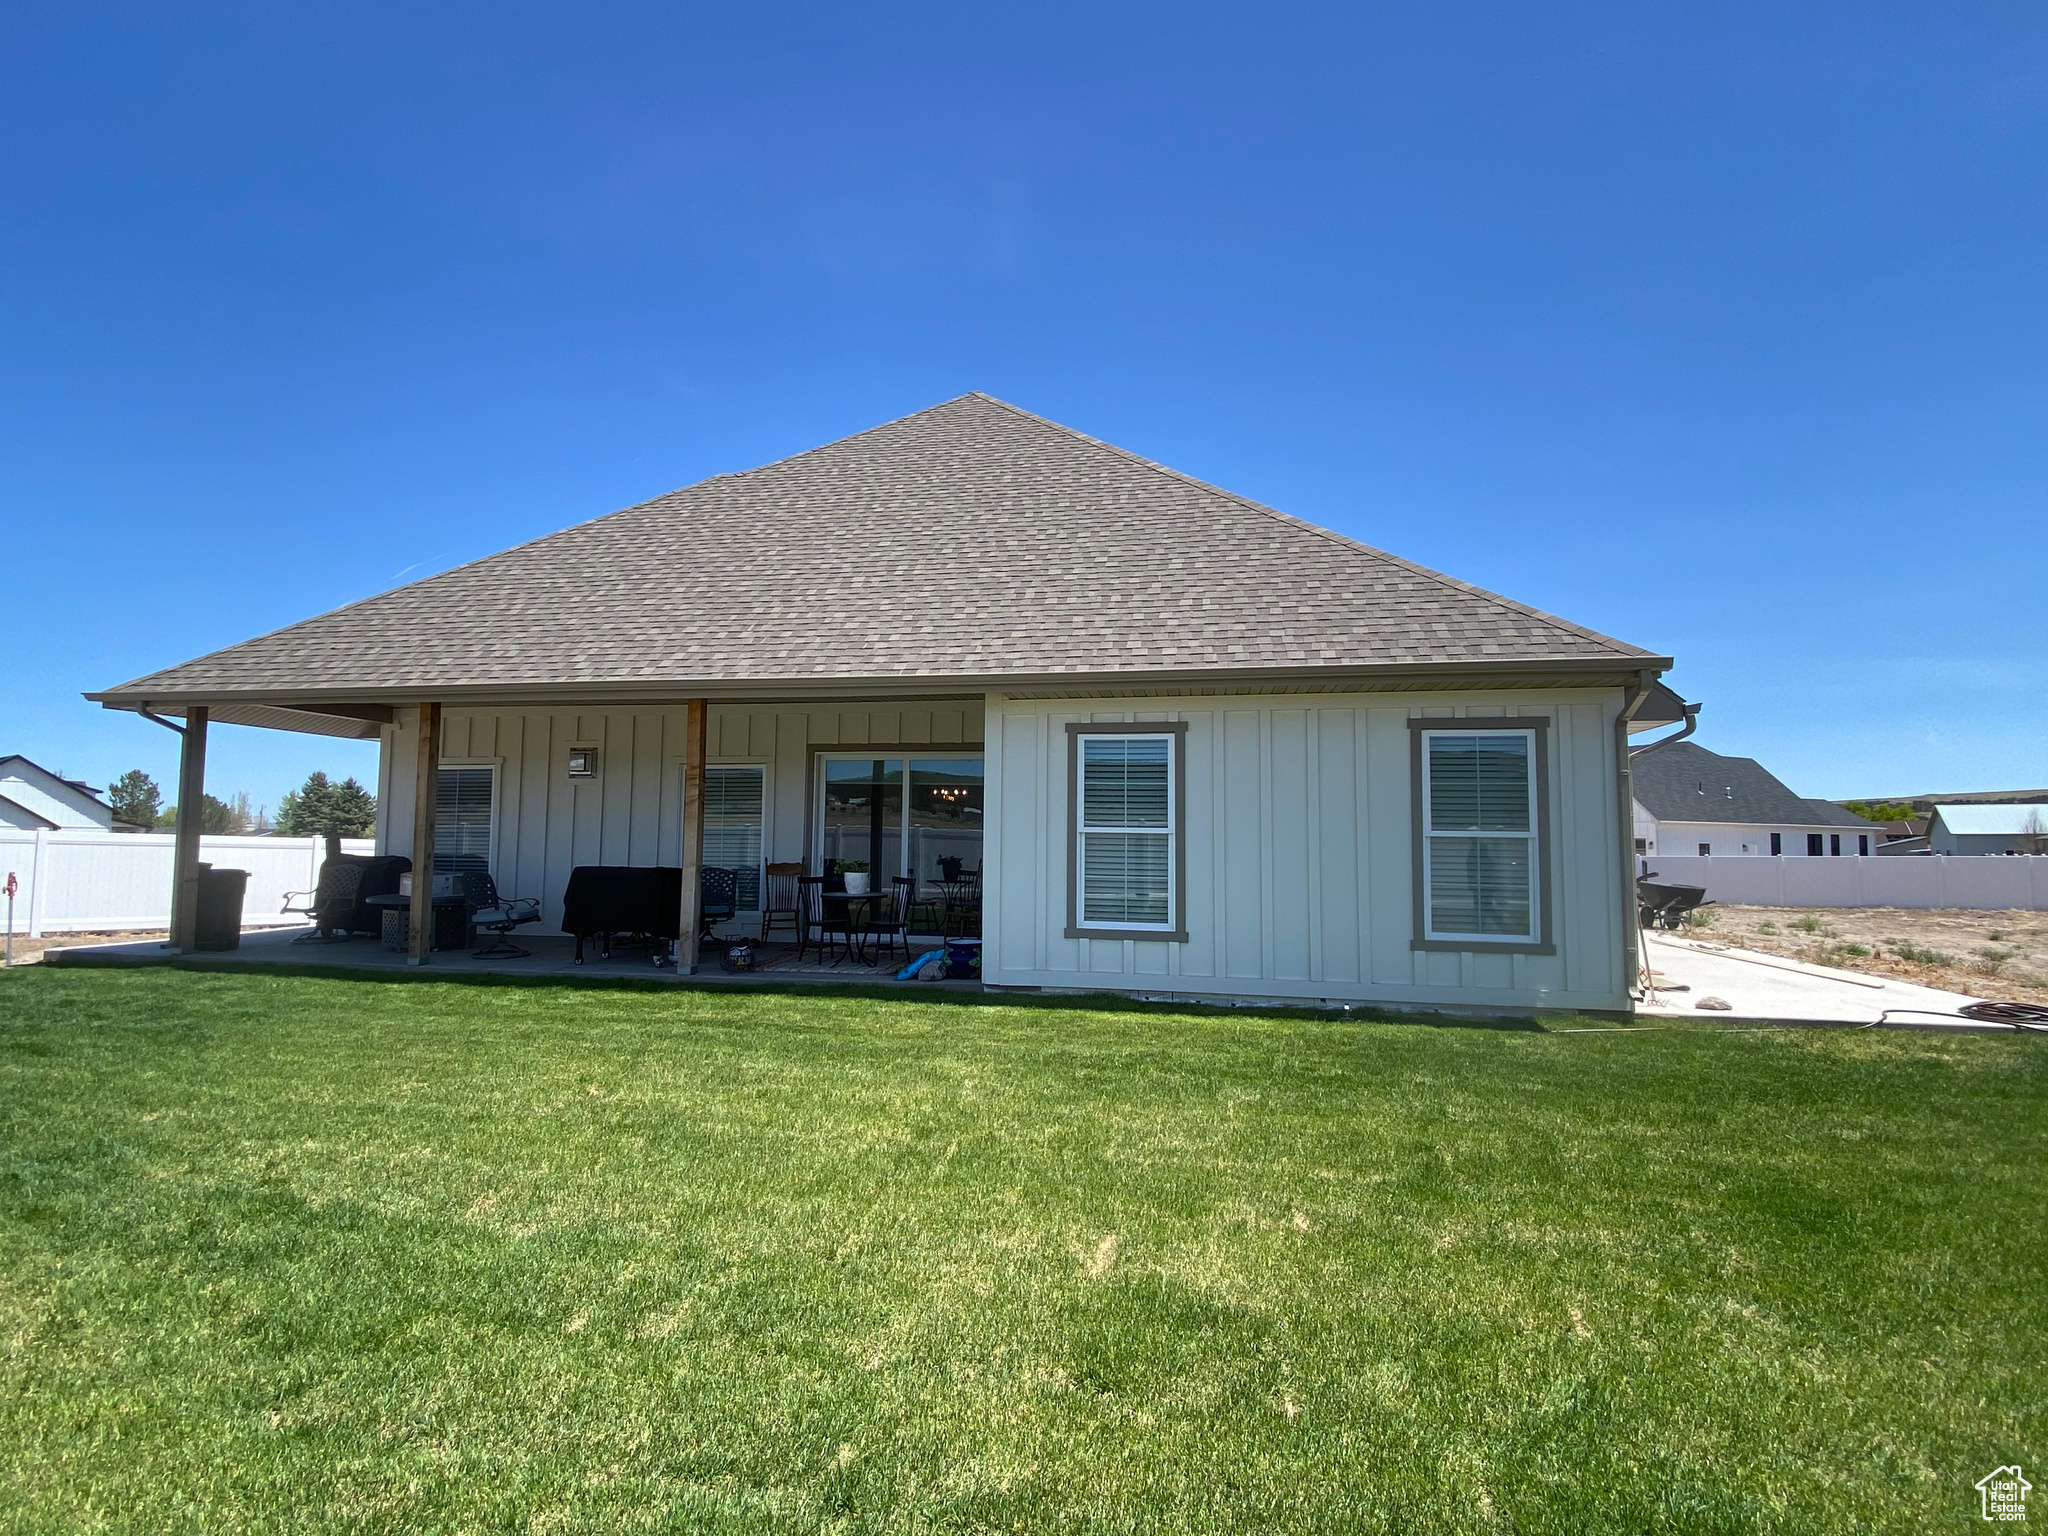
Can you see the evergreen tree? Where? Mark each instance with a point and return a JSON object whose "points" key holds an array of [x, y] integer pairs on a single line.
{"points": [[320, 808], [353, 810], [136, 799]]}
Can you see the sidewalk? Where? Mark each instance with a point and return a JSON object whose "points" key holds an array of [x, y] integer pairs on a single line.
{"points": [[1771, 987]]}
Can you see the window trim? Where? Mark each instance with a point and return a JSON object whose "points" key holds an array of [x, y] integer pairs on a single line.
{"points": [[1176, 929], [497, 768], [1538, 727]]}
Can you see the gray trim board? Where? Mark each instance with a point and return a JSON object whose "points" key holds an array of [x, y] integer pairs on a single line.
{"points": [[1545, 943], [1178, 729]]}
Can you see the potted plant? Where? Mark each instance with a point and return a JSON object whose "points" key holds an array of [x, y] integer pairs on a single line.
{"points": [[856, 873]]}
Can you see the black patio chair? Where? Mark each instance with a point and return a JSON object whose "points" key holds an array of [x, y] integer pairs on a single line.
{"points": [[331, 904], [963, 907], [719, 891], [818, 920], [489, 911], [890, 920]]}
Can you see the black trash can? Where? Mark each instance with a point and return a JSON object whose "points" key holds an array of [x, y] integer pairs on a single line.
{"points": [[220, 908]]}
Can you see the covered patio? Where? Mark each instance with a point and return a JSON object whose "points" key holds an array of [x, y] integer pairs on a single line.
{"points": [[752, 810]]}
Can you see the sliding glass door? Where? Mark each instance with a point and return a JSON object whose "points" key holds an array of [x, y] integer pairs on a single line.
{"points": [[916, 816]]}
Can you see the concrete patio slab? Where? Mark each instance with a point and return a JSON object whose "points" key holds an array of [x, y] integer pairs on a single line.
{"points": [[1772, 988], [551, 957]]}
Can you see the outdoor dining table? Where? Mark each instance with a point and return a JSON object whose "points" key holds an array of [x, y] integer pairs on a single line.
{"points": [[853, 917]]}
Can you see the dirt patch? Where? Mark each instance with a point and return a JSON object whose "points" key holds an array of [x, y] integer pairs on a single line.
{"points": [[28, 951], [1987, 954]]}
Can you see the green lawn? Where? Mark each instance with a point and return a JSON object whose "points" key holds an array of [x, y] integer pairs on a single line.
{"points": [[286, 1254]]}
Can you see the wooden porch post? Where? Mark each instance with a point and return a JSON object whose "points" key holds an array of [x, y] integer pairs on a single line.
{"points": [[693, 839], [191, 823], [425, 791]]}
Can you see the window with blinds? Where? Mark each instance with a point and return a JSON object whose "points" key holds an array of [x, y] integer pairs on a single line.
{"points": [[1125, 832], [1479, 835], [462, 819], [732, 828]]}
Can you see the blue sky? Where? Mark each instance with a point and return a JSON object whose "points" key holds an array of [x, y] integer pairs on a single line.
{"points": [[1717, 327]]}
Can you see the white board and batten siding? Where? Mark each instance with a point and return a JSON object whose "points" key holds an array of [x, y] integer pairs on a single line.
{"points": [[1299, 854], [546, 823]]}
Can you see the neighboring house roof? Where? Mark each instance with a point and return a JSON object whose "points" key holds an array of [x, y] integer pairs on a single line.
{"points": [[1686, 782], [1991, 820], [972, 542]]}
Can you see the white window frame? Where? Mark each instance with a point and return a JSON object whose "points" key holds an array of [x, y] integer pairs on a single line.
{"points": [[1174, 929], [496, 767], [1427, 935]]}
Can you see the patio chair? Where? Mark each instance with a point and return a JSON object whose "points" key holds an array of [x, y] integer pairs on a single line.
{"points": [[891, 920], [719, 890], [488, 910], [963, 907], [331, 904], [817, 921], [779, 899]]}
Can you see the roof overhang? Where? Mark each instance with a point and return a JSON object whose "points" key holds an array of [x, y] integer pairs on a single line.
{"points": [[358, 711], [357, 720]]}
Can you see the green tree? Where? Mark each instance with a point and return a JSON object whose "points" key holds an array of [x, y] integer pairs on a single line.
{"points": [[1879, 810], [320, 808], [216, 818], [136, 799]]}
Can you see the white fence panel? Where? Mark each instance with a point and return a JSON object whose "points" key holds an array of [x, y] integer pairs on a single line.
{"points": [[1983, 884], [105, 882]]}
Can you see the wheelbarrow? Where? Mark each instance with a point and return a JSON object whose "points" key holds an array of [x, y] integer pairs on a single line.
{"points": [[1667, 906]]}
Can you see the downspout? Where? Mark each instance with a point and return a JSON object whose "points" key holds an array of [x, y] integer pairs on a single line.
{"points": [[1625, 810], [1692, 723], [143, 710]]}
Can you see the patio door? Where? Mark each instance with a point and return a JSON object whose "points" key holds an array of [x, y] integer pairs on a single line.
{"points": [[900, 815]]}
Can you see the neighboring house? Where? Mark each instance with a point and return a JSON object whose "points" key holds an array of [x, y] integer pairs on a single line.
{"points": [[1197, 746], [1987, 829], [1692, 801], [34, 799]]}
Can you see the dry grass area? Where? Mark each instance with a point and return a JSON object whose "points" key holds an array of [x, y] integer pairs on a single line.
{"points": [[28, 951], [1987, 954]]}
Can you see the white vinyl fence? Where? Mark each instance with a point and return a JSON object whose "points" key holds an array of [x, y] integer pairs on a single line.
{"points": [[107, 882], [1985, 884]]}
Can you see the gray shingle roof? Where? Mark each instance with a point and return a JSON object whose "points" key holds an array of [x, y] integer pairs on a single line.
{"points": [[1686, 782], [971, 541]]}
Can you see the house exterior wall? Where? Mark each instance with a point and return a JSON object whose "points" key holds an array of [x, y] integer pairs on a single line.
{"points": [[1729, 839], [49, 798], [1979, 844], [547, 823], [1299, 854]]}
